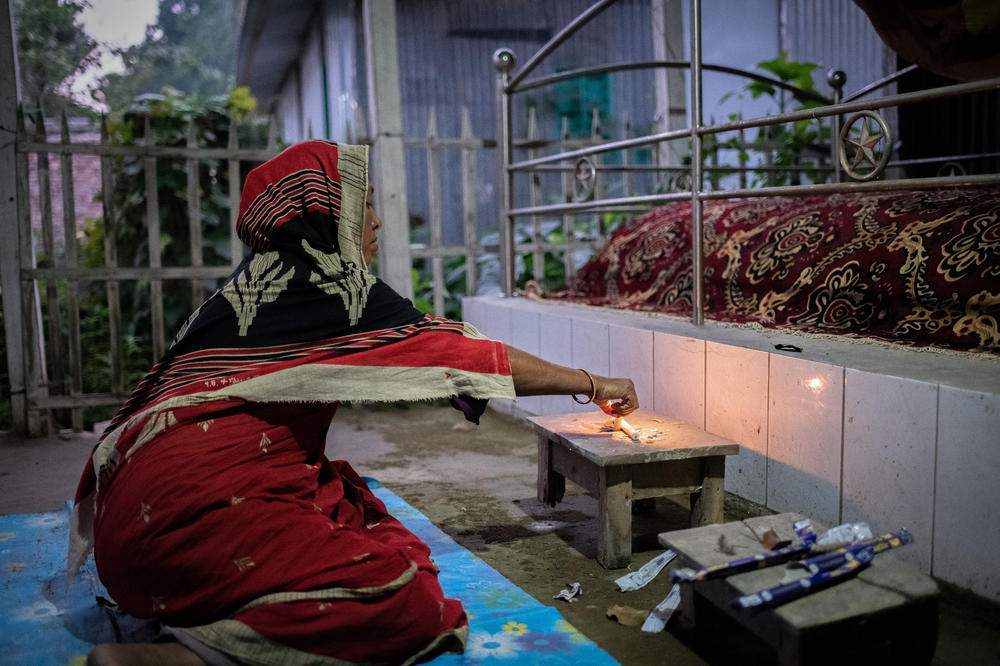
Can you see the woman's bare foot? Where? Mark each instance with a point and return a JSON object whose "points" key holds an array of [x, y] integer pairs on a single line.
{"points": [[142, 654]]}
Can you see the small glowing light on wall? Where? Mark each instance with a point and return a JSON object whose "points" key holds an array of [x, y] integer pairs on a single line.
{"points": [[816, 383]]}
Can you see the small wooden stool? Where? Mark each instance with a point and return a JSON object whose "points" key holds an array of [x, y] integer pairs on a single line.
{"points": [[886, 614], [672, 458]]}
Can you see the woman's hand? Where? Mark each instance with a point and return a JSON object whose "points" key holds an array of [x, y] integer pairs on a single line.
{"points": [[616, 396]]}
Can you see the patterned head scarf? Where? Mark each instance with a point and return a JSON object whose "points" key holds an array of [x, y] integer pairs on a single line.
{"points": [[327, 181]]}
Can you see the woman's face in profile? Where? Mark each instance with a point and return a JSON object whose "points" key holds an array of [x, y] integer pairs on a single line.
{"points": [[369, 239]]}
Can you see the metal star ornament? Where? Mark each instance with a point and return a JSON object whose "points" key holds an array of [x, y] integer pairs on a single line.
{"points": [[866, 145]]}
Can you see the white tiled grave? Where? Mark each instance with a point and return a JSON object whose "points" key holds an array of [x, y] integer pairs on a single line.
{"points": [[736, 408], [889, 447], [842, 431], [678, 378]]}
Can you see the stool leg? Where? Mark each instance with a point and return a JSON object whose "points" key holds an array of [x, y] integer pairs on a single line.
{"points": [[614, 539], [551, 484], [707, 505]]}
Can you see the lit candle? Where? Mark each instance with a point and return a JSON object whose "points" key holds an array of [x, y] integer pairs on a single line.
{"points": [[621, 424]]}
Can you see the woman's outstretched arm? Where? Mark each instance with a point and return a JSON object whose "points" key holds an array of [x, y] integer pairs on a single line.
{"points": [[534, 376]]}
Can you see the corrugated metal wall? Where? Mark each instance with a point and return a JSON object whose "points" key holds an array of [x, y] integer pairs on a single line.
{"points": [[445, 62], [445, 51], [314, 120], [305, 107], [835, 34]]}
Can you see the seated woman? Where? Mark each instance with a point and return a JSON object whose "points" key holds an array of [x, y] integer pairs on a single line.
{"points": [[209, 503]]}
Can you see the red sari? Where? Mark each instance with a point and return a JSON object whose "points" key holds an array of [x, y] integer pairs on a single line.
{"points": [[209, 502]]}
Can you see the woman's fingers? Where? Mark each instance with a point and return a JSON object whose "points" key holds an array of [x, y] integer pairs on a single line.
{"points": [[617, 397]]}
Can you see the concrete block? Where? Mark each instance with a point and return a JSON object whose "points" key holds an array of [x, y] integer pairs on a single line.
{"points": [[474, 313], [631, 356], [504, 406], [804, 434], [679, 381], [736, 408], [590, 351], [890, 427], [524, 336], [498, 319], [966, 538], [555, 339]]}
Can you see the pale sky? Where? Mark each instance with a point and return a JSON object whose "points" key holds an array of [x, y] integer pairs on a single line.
{"points": [[117, 23]]}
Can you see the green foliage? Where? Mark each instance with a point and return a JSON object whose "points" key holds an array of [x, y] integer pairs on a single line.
{"points": [[803, 143], [241, 104], [553, 271], [612, 221], [92, 243], [52, 47], [423, 293], [454, 269], [798, 74], [170, 115], [192, 48]]}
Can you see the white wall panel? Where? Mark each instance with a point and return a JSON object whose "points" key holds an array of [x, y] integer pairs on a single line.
{"points": [[631, 356], [474, 312], [804, 431], [524, 335], [590, 352], [890, 427], [736, 408], [966, 536], [679, 382], [555, 339], [498, 321]]}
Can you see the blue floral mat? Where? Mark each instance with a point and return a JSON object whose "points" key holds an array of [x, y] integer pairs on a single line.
{"points": [[46, 620]]}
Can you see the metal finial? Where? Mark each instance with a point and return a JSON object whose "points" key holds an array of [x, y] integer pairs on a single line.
{"points": [[504, 60], [836, 78]]}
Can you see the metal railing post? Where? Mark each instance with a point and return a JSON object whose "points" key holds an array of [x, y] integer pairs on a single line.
{"points": [[697, 297], [504, 61], [836, 78]]}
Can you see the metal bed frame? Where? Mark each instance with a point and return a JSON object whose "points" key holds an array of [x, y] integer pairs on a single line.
{"points": [[511, 83]]}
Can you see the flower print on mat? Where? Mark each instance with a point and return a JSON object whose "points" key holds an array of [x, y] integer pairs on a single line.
{"points": [[498, 646]]}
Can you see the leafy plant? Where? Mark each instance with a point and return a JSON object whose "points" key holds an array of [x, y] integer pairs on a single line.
{"points": [[798, 74], [423, 292], [170, 115], [791, 146], [52, 47], [192, 48]]}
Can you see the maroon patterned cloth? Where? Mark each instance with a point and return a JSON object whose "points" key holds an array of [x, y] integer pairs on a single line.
{"points": [[918, 268]]}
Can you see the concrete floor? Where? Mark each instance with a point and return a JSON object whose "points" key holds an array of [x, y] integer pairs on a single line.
{"points": [[478, 485]]}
